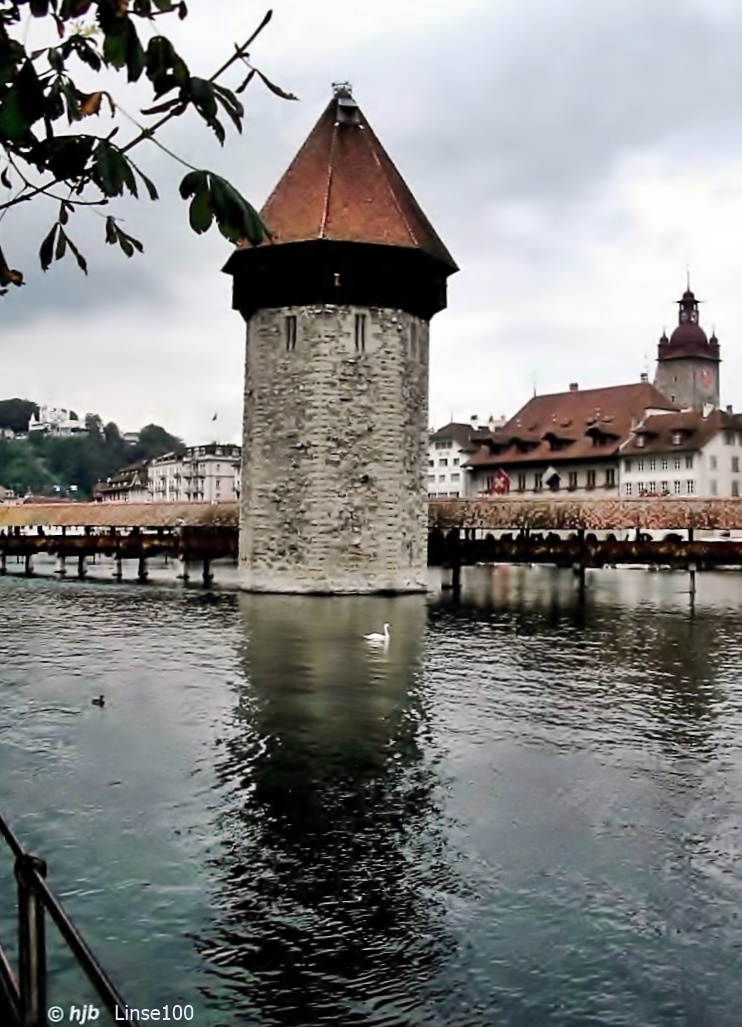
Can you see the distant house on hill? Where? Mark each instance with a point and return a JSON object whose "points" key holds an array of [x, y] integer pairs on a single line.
{"points": [[55, 421]]}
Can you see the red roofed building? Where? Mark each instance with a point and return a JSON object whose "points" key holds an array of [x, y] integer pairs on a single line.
{"points": [[564, 442], [669, 438]]}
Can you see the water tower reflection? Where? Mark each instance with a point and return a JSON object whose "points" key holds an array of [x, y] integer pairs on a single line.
{"points": [[332, 855]]}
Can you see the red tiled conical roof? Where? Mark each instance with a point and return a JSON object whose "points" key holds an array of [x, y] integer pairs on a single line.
{"points": [[342, 186]]}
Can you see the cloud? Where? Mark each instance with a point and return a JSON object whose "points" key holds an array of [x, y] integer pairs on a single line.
{"points": [[575, 157]]}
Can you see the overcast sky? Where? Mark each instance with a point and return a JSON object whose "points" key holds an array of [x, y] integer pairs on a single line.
{"points": [[575, 157]]}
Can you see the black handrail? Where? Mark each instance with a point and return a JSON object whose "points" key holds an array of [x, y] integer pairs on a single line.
{"points": [[26, 993]]}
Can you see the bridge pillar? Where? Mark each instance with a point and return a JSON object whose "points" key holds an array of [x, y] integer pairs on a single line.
{"points": [[142, 572], [81, 566], [60, 568], [184, 571], [208, 574], [118, 568], [3, 562], [28, 568]]}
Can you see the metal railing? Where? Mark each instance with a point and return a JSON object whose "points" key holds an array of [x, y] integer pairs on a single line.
{"points": [[24, 993]]}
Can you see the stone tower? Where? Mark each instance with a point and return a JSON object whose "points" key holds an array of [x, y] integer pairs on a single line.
{"points": [[338, 306], [688, 362]]}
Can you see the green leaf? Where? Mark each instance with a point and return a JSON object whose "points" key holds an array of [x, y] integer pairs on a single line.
{"points": [[111, 230], [231, 105], [81, 262], [134, 54], [114, 47], [276, 89], [46, 250], [111, 171], [243, 85], [200, 212], [148, 183], [61, 245], [192, 183]]}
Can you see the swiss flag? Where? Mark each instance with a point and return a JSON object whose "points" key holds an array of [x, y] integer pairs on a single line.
{"points": [[499, 482]]}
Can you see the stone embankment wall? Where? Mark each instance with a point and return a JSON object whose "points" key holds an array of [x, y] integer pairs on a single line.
{"points": [[593, 515], [335, 451]]}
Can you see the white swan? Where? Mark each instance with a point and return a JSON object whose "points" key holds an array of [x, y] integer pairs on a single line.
{"points": [[376, 637]]}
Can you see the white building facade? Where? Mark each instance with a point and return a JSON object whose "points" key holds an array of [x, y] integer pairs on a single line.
{"points": [[690, 453], [449, 449], [209, 474]]}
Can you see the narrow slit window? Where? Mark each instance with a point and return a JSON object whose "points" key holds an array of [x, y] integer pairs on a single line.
{"points": [[291, 332], [360, 333]]}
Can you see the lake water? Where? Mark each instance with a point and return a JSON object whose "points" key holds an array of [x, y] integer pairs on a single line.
{"points": [[526, 811]]}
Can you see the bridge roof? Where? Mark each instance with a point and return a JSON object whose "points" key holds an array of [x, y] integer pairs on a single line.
{"points": [[119, 515]]}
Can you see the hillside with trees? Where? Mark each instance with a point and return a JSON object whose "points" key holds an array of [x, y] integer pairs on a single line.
{"points": [[51, 465]]}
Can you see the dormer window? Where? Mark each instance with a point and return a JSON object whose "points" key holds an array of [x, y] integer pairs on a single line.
{"points": [[677, 438], [641, 441]]}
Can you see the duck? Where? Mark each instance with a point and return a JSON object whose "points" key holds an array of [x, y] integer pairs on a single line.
{"points": [[375, 636], [99, 700]]}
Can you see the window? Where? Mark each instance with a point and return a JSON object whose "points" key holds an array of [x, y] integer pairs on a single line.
{"points": [[641, 441], [652, 488], [610, 477], [441, 477], [652, 464], [628, 488], [290, 325], [455, 477], [573, 479], [712, 463], [676, 463], [627, 465], [443, 462], [431, 478], [360, 333], [538, 481], [735, 465], [728, 438], [665, 463], [521, 482], [677, 438], [735, 488], [665, 488], [713, 488], [431, 463], [640, 465], [676, 487], [689, 463], [690, 487], [590, 479], [455, 461]]}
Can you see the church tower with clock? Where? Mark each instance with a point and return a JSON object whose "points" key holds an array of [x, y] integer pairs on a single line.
{"points": [[688, 362]]}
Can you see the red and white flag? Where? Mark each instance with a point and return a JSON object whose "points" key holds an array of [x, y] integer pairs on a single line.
{"points": [[499, 483]]}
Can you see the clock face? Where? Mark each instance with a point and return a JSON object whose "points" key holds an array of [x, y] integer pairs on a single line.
{"points": [[705, 379]]}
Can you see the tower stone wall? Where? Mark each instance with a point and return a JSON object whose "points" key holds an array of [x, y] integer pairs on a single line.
{"points": [[689, 381], [335, 450]]}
